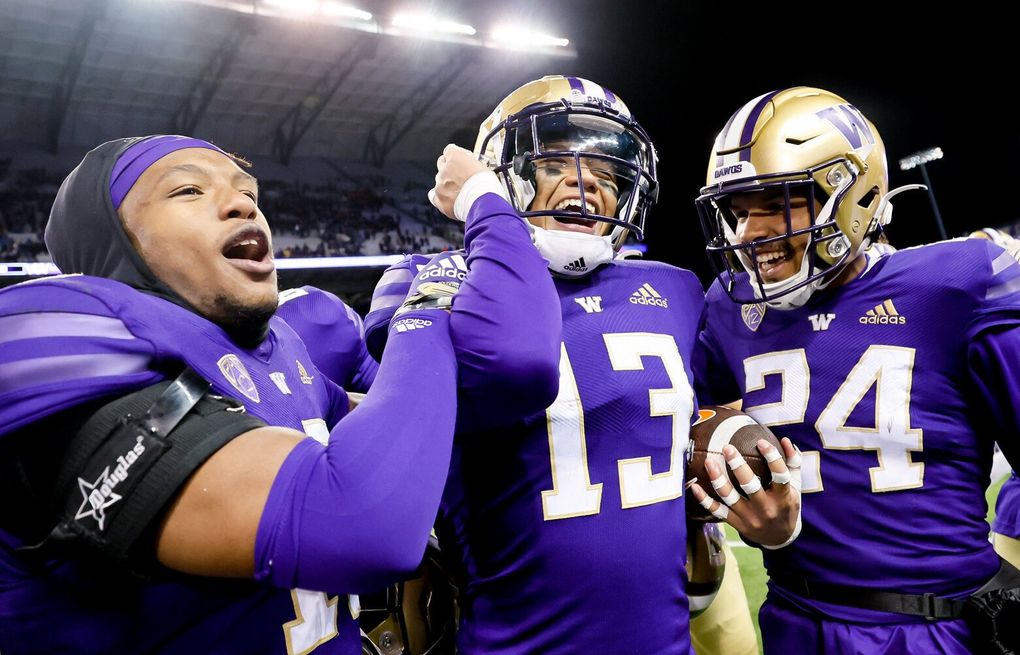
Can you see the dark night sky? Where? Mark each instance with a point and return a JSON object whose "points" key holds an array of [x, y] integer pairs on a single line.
{"points": [[923, 79]]}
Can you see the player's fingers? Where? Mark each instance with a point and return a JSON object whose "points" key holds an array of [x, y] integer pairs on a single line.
{"points": [[748, 481], [793, 462], [713, 507], [721, 483], [780, 473], [434, 199]]}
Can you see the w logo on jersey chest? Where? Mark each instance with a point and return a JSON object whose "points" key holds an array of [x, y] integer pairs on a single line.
{"points": [[820, 322], [590, 304]]}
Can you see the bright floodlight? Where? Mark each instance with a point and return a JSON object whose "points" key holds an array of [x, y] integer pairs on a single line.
{"points": [[294, 6], [922, 157], [426, 23], [521, 37], [337, 9]]}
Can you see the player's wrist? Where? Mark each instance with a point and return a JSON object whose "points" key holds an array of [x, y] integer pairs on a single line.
{"points": [[418, 319], [475, 187], [793, 537]]}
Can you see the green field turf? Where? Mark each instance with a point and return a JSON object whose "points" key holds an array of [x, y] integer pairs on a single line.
{"points": [[753, 574]]}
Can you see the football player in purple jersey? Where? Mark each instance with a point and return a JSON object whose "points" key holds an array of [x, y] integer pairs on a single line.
{"points": [[1006, 527], [334, 335], [893, 374], [568, 527], [178, 476]]}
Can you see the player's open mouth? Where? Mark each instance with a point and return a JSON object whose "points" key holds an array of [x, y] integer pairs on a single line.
{"points": [[770, 263], [248, 249], [572, 223]]}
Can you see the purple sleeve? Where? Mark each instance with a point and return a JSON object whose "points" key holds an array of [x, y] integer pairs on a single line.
{"points": [[356, 515], [388, 295], [994, 361], [996, 288], [368, 368], [339, 403], [59, 348], [506, 324], [333, 334]]}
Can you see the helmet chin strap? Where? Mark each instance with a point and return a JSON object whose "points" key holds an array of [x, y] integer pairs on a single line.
{"points": [[797, 298], [573, 254], [883, 215]]}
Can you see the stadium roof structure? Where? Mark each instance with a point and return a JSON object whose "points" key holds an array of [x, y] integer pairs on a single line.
{"points": [[253, 76]]}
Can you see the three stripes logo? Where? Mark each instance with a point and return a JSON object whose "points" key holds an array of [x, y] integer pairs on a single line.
{"points": [[577, 266], [453, 268], [884, 314], [646, 295], [408, 324]]}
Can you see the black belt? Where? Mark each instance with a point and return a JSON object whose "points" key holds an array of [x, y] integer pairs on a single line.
{"points": [[929, 606]]}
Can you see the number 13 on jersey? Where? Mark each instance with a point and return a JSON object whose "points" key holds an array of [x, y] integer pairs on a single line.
{"points": [[573, 493]]}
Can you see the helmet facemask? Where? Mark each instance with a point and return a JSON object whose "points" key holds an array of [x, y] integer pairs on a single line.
{"points": [[827, 249], [589, 141], [806, 141]]}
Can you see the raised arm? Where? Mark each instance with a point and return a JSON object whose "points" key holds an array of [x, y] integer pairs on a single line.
{"points": [[506, 323], [352, 515]]}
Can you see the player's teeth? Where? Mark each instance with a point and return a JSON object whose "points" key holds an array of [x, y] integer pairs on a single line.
{"points": [[769, 257], [573, 203]]}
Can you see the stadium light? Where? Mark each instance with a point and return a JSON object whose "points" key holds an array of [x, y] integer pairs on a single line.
{"points": [[417, 25], [337, 9], [303, 7], [430, 24], [918, 160], [518, 37]]}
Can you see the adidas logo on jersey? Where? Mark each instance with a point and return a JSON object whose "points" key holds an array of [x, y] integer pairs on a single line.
{"points": [[884, 314], [453, 267], [646, 295], [578, 266], [408, 324]]}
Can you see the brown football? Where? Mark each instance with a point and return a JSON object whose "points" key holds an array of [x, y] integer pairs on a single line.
{"points": [[716, 427]]}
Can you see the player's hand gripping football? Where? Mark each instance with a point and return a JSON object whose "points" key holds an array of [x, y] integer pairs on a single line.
{"points": [[454, 167], [769, 517]]}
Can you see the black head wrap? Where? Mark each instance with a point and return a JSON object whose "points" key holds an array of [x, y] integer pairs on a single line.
{"points": [[85, 235]]}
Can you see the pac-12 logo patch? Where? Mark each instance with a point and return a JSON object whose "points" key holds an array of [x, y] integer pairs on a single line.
{"points": [[237, 375], [753, 315]]}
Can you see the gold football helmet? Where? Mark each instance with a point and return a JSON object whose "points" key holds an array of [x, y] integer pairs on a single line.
{"points": [[572, 122], [809, 142], [415, 617], [706, 564]]}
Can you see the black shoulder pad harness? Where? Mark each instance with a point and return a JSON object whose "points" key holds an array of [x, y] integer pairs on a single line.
{"points": [[130, 459]]}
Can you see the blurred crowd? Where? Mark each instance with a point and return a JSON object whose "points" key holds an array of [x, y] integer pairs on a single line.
{"points": [[328, 219]]}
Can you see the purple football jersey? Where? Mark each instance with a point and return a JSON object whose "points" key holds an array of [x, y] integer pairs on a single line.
{"points": [[568, 527], [71, 340], [333, 334], [871, 382]]}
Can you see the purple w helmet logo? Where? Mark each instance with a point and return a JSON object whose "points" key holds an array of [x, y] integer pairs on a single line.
{"points": [[850, 123]]}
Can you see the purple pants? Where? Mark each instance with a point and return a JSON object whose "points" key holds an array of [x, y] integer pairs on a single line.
{"points": [[787, 629]]}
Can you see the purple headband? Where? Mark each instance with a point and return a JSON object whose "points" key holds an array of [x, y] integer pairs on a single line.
{"points": [[137, 159]]}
